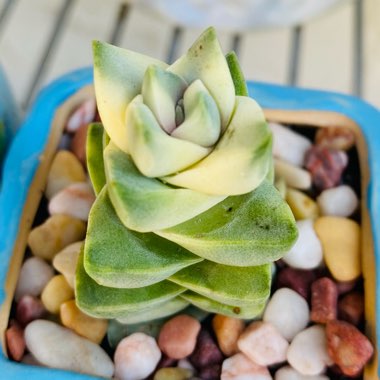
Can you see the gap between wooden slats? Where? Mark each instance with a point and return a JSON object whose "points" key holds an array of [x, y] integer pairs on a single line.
{"points": [[326, 60], [24, 39], [89, 20]]}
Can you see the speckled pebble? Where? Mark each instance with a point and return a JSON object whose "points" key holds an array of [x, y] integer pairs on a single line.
{"points": [[263, 344], [58, 347], [288, 312], [308, 351], [136, 357], [227, 331], [35, 273], [74, 200], [178, 336], [239, 367]]}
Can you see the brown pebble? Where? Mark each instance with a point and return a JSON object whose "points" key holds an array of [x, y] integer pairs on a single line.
{"points": [[324, 298], [325, 165], [15, 341], [227, 331], [351, 308], [335, 138], [348, 347], [28, 309], [345, 286], [178, 336], [296, 279], [78, 143], [206, 352]]}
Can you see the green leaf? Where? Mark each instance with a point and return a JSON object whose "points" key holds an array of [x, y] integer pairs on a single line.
{"points": [[240, 160], [161, 91], [105, 302], [164, 310], [117, 257], [154, 152], [118, 77], [243, 312], [238, 286], [205, 61], [146, 204], [247, 230], [240, 85], [202, 121], [94, 153]]}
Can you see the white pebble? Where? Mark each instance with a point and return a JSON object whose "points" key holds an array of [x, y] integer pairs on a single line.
{"points": [[58, 347], [74, 200], [34, 275], [288, 312], [289, 145], [263, 344], [239, 367], [293, 175], [338, 201], [136, 357], [289, 373], [185, 364], [308, 351], [307, 252]]}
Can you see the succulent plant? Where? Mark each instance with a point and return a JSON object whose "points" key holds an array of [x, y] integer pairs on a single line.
{"points": [[186, 211]]}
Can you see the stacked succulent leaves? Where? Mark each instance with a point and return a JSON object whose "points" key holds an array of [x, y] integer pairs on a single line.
{"points": [[186, 211]]}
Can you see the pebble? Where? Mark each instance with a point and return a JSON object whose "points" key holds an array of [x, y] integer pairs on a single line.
{"points": [[297, 279], [65, 261], [173, 373], [178, 336], [289, 373], [288, 312], [54, 234], [65, 170], [83, 115], [307, 252], [29, 359], [136, 357], [93, 329], [340, 238], [263, 344], [74, 200], [184, 363], [239, 367], [28, 309], [15, 341], [338, 201], [293, 175], [308, 351], [324, 300], [35, 273], [56, 292], [351, 308], [227, 331], [58, 347], [207, 352], [348, 347], [302, 206], [211, 372], [339, 138], [326, 166], [345, 286], [289, 145], [78, 143]]}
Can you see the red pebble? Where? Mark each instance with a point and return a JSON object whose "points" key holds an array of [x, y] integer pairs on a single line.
{"points": [[296, 279], [207, 352], [324, 298], [348, 347], [211, 372], [345, 286], [15, 341], [28, 309], [325, 165], [351, 308], [78, 143]]}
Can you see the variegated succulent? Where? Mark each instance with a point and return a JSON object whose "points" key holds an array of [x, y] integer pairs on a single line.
{"points": [[186, 212]]}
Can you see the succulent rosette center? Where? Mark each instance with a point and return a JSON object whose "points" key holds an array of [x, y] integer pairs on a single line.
{"points": [[186, 211]]}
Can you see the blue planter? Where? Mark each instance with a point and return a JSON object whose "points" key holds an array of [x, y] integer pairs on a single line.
{"points": [[9, 116], [282, 103]]}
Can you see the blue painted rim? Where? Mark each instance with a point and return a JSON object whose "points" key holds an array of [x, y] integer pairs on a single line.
{"points": [[22, 162]]}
